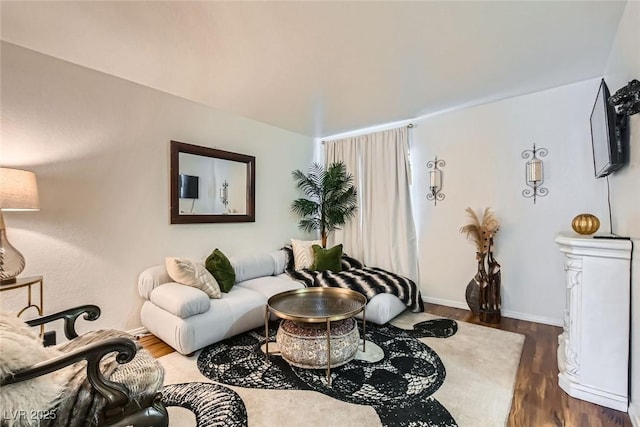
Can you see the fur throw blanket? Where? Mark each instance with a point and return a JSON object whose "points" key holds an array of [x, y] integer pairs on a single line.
{"points": [[64, 397], [369, 281], [80, 403], [21, 347]]}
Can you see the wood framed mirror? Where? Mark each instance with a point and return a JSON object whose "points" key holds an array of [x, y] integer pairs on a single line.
{"points": [[210, 185]]}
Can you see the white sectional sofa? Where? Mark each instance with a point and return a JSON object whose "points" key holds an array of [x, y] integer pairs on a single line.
{"points": [[188, 320]]}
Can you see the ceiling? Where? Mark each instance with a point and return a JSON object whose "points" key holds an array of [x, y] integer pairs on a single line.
{"points": [[322, 68]]}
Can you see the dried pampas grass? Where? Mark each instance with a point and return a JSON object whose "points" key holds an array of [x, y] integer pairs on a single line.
{"points": [[480, 231]]}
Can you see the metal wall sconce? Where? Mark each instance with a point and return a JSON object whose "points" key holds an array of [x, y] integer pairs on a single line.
{"points": [[224, 193], [435, 180], [534, 173]]}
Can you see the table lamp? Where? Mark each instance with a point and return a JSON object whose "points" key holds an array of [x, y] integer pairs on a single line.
{"points": [[18, 192]]}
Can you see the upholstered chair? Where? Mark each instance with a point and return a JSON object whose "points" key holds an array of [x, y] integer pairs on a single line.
{"points": [[99, 378]]}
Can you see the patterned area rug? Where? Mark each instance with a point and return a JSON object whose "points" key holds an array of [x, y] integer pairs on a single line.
{"points": [[211, 404], [399, 387], [409, 384]]}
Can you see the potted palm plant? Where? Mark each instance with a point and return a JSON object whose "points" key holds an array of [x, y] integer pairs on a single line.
{"points": [[330, 198]]}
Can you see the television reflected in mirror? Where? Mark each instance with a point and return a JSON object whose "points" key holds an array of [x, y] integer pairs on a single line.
{"points": [[210, 185], [188, 186], [607, 134]]}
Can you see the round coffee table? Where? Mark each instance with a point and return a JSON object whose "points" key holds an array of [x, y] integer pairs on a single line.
{"points": [[308, 309]]}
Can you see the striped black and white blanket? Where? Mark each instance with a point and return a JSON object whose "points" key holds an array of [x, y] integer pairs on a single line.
{"points": [[369, 281]]}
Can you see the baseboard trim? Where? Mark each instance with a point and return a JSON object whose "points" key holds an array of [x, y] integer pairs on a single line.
{"points": [[532, 318], [505, 313], [446, 302], [591, 394], [138, 331], [634, 414]]}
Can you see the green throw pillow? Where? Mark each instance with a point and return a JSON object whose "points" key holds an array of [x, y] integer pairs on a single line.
{"points": [[220, 267], [327, 259]]}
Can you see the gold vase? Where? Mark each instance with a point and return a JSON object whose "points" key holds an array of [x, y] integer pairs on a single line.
{"points": [[585, 224]]}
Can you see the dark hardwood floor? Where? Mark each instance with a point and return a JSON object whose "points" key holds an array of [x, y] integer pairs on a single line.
{"points": [[538, 400]]}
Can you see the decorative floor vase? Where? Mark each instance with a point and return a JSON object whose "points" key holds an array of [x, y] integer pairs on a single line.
{"points": [[472, 294], [483, 291], [490, 316], [490, 298]]}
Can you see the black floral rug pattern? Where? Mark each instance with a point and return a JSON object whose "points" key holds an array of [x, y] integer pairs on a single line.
{"points": [[399, 387], [212, 404]]}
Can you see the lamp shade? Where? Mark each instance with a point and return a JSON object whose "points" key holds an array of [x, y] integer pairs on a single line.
{"points": [[18, 190]]}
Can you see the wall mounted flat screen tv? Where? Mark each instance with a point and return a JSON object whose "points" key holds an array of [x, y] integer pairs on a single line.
{"points": [[606, 135], [188, 186]]}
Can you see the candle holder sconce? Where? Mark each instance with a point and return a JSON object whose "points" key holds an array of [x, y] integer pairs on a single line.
{"points": [[534, 173], [435, 180], [224, 193]]}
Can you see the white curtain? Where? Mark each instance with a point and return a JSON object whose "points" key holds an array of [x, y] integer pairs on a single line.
{"points": [[384, 231], [350, 235]]}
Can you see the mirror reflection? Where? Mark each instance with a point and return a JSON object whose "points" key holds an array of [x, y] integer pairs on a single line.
{"points": [[209, 185]]}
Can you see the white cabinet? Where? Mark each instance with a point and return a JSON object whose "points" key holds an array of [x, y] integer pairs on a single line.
{"points": [[593, 350]]}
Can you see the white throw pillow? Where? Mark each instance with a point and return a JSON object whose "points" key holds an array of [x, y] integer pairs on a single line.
{"points": [[21, 348], [302, 252], [193, 274]]}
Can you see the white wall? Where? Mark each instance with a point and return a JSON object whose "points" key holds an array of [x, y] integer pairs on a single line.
{"points": [[623, 66], [482, 149], [100, 148]]}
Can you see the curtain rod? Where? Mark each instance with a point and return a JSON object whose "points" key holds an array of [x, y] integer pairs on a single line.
{"points": [[410, 125]]}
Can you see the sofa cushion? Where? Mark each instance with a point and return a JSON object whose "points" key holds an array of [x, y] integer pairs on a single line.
{"points": [[327, 259], [238, 311], [218, 264], [302, 253], [279, 260], [179, 300], [193, 274], [270, 285], [151, 278], [251, 266], [382, 308]]}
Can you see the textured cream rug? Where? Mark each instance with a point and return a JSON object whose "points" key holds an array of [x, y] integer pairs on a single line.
{"points": [[481, 365]]}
